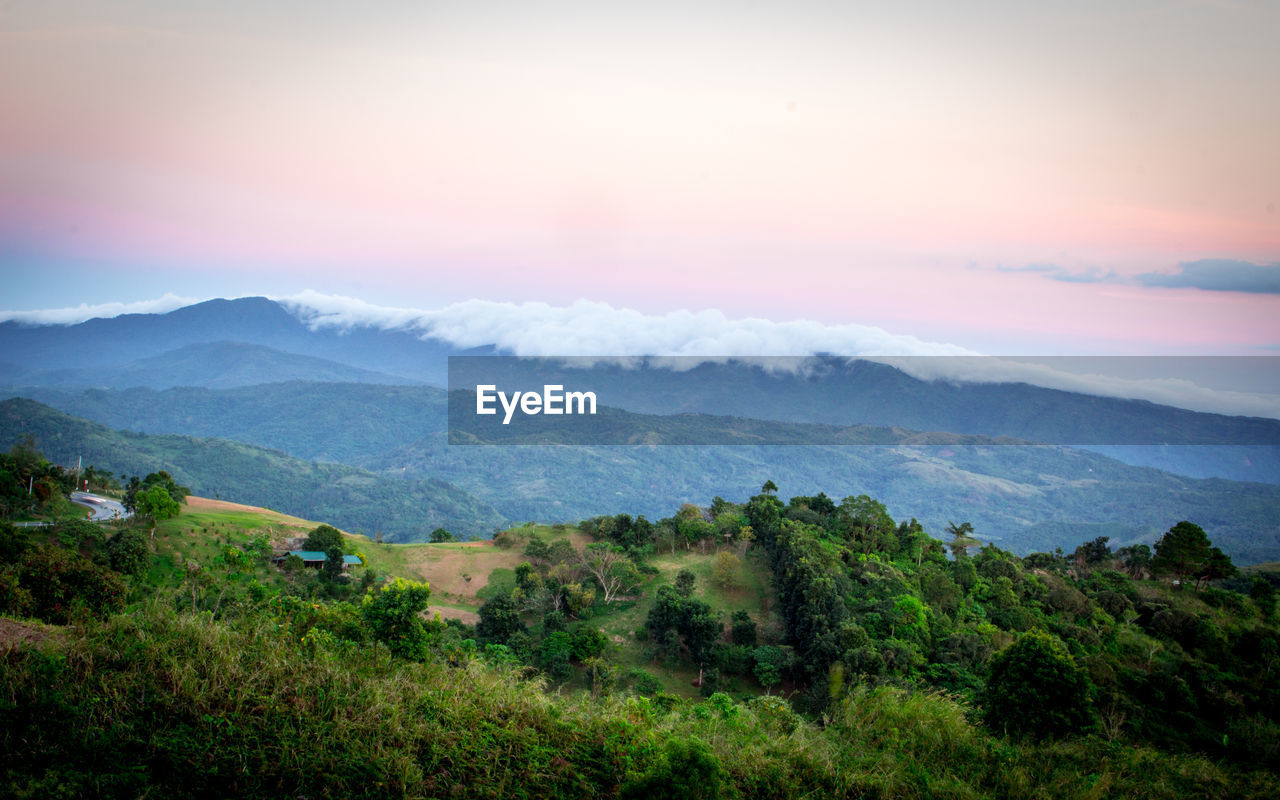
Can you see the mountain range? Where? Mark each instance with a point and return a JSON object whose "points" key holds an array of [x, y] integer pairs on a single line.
{"points": [[371, 400]]}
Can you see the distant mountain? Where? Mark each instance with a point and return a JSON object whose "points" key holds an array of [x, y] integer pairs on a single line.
{"points": [[128, 338], [833, 392], [839, 391], [214, 364], [405, 509]]}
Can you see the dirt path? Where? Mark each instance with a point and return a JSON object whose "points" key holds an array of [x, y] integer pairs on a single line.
{"points": [[15, 634]]}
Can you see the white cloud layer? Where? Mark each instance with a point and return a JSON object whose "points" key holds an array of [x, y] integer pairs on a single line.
{"points": [[595, 330], [84, 312], [588, 328], [598, 330]]}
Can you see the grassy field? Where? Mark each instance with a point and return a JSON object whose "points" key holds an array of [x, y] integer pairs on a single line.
{"points": [[459, 573]]}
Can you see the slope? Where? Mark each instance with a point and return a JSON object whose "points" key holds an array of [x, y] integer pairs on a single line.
{"points": [[404, 509]]}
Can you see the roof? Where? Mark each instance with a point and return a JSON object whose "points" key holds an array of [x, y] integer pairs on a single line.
{"points": [[318, 555]]}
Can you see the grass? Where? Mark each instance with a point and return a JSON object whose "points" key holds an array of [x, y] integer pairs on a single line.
{"points": [[160, 703]]}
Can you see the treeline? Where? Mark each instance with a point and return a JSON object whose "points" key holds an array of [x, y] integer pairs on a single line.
{"points": [[870, 602]]}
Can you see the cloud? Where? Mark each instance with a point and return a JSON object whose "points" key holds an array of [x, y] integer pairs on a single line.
{"points": [[1172, 391], [83, 312], [683, 339], [604, 333], [1064, 275], [587, 328], [1218, 275]]}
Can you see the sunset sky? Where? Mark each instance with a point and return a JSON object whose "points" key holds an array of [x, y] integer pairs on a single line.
{"points": [[1057, 177]]}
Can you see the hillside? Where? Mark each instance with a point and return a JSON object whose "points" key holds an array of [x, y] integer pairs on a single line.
{"points": [[220, 364], [401, 509], [838, 654], [1024, 497], [348, 423]]}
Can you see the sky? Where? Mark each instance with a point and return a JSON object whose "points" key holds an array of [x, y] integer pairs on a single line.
{"points": [[1000, 177]]}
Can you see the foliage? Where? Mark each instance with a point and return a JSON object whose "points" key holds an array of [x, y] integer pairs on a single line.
{"points": [[127, 551], [686, 769], [499, 619], [391, 613], [1035, 688], [323, 537], [58, 585], [156, 503]]}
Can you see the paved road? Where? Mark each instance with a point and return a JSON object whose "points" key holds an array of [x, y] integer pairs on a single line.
{"points": [[103, 508]]}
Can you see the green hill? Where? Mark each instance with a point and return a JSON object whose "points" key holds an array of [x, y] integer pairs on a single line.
{"points": [[402, 509]]}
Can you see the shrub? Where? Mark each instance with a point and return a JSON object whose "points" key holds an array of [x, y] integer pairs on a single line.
{"points": [[1035, 688], [127, 552], [53, 584]]}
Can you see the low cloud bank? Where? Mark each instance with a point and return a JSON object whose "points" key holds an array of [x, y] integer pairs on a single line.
{"points": [[598, 331], [588, 328], [85, 312]]}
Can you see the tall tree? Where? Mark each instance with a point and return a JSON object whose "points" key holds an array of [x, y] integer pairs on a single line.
{"points": [[157, 503], [1184, 550], [612, 568]]}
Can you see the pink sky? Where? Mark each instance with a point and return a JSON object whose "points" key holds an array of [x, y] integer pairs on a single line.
{"points": [[892, 169]]}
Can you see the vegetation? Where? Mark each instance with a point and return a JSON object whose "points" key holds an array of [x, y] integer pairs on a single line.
{"points": [[352, 498], [1024, 498], [881, 666]]}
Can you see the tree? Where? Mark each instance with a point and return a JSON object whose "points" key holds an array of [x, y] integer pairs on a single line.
{"points": [[769, 488], [685, 581], [771, 662], [1093, 552], [701, 629], [1184, 550], [333, 563], [441, 535], [961, 539], [166, 480], [724, 570], [391, 613], [322, 538], [157, 503], [1216, 567], [612, 568], [744, 629], [553, 655], [1136, 559], [127, 552], [499, 619], [1035, 688]]}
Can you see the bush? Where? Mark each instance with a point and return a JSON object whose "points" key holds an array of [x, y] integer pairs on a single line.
{"points": [[1035, 688], [55, 584], [686, 770], [127, 552]]}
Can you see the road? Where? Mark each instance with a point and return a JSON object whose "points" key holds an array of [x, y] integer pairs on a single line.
{"points": [[103, 508]]}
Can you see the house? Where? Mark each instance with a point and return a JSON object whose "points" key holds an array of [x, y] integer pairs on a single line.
{"points": [[316, 558]]}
